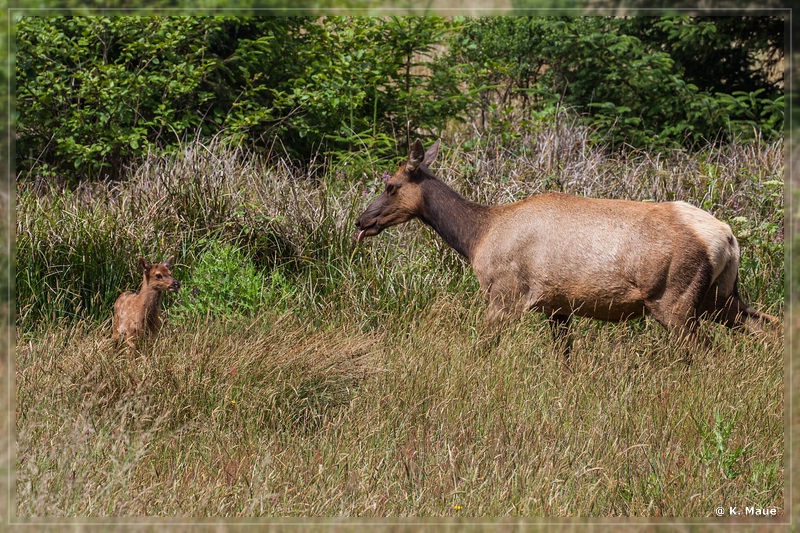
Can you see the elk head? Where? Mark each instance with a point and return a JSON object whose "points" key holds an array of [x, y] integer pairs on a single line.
{"points": [[158, 275], [402, 197]]}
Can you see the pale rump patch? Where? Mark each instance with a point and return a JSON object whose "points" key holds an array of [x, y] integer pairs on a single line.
{"points": [[721, 245]]}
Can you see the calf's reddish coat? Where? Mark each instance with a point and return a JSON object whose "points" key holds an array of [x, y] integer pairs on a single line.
{"points": [[136, 313], [569, 255]]}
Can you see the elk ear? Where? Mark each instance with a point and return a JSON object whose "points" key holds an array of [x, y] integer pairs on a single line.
{"points": [[143, 264], [416, 156], [430, 155], [168, 262]]}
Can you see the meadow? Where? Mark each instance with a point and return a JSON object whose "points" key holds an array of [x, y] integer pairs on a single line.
{"points": [[299, 374]]}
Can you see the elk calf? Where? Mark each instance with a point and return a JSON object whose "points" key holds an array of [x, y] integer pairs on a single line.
{"points": [[569, 255], [136, 313]]}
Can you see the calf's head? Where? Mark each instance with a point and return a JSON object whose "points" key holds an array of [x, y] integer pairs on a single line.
{"points": [[158, 275], [402, 198]]}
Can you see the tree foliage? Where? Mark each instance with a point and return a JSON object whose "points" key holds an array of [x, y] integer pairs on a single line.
{"points": [[92, 92], [95, 93], [646, 81]]}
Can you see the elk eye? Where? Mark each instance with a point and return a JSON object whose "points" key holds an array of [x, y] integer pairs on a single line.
{"points": [[158, 276], [390, 188]]}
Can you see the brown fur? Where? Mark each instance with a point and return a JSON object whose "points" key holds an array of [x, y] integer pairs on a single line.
{"points": [[136, 313], [569, 255]]}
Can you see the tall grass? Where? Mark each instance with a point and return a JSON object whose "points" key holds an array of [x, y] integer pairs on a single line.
{"points": [[279, 418], [354, 384], [77, 249]]}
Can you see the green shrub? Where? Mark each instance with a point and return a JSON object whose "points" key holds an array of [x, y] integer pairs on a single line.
{"points": [[640, 81], [223, 283], [95, 93]]}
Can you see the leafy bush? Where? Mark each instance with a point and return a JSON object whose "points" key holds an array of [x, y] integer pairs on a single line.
{"points": [[633, 80], [94, 93], [223, 283]]}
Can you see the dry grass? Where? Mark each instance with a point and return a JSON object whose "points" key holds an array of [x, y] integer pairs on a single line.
{"points": [[6, 406], [183, 409], [280, 420]]}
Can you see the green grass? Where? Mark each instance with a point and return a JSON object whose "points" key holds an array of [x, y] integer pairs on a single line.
{"points": [[351, 380]]}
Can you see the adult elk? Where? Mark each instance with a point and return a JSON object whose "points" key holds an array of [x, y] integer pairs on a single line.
{"points": [[569, 255]]}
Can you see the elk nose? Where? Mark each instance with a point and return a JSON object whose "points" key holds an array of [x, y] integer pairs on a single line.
{"points": [[358, 223]]}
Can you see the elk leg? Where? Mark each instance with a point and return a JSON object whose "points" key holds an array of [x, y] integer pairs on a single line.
{"points": [[732, 312], [679, 306], [502, 311], [683, 326], [679, 315], [559, 325], [497, 318]]}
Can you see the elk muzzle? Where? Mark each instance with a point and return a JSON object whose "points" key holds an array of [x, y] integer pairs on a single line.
{"points": [[367, 223]]}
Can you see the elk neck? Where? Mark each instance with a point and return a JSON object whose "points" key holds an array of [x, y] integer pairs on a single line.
{"points": [[149, 297], [460, 222]]}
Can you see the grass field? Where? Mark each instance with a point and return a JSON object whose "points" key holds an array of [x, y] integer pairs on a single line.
{"points": [[284, 419], [301, 375]]}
